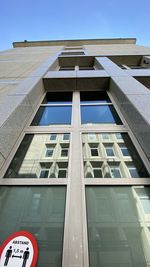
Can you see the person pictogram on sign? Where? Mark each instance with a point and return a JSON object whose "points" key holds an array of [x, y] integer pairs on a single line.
{"points": [[8, 255], [25, 257]]}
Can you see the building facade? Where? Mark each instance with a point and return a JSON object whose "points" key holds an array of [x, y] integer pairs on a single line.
{"points": [[75, 150]]}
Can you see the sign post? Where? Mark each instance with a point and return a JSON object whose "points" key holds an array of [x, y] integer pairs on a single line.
{"points": [[19, 250]]}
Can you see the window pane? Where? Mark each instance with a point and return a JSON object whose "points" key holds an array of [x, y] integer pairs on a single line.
{"points": [[66, 136], [94, 152], [39, 157], [133, 172], [44, 174], [62, 174], [97, 173], [52, 115], [99, 114], [115, 172], [58, 98], [49, 152], [94, 96], [64, 152], [106, 150], [39, 210], [109, 152], [53, 136], [124, 150], [117, 227]]}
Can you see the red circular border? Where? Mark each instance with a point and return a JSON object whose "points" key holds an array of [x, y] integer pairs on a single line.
{"points": [[30, 237]]}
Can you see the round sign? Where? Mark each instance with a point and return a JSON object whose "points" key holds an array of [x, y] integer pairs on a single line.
{"points": [[19, 250]]}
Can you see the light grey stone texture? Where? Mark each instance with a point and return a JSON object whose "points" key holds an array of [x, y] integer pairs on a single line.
{"points": [[7, 105], [54, 84], [60, 74], [111, 68], [2, 160], [13, 126], [131, 105], [129, 86], [36, 93], [91, 73], [92, 83], [138, 72], [142, 104]]}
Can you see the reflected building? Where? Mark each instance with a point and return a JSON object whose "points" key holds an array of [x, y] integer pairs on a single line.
{"points": [[75, 151]]}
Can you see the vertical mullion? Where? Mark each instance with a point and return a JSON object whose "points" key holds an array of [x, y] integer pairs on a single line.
{"points": [[75, 252]]}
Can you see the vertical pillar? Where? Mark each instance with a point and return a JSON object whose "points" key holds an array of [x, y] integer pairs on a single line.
{"points": [[133, 99], [75, 243]]}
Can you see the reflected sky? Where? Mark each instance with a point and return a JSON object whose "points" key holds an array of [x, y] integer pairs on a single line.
{"points": [[99, 114]]}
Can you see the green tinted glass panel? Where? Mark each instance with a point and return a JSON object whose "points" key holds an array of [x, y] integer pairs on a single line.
{"points": [[40, 211], [118, 226]]}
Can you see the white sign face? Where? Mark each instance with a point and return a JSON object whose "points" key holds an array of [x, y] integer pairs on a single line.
{"points": [[17, 252]]}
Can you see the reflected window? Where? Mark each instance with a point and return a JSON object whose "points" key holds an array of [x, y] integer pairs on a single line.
{"points": [[37, 157], [62, 169], [66, 136], [91, 137], [109, 151], [44, 173], [53, 137], [105, 136], [49, 151], [118, 136], [114, 157], [124, 150], [115, 172], [133, 171], [64, 150]]}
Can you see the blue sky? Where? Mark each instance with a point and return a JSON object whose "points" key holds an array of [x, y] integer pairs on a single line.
{"points": [[76, 19]]}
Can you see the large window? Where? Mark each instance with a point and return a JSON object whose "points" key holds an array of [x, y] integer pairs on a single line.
{"points": [[56, 109], [96, 107], [40, 211], [41, 156], [111, 155], [118, 226]]}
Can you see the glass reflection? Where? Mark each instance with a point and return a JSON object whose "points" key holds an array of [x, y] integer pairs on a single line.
{"points": [[39, 210], [52, 115], [118, 226], [107, 156], [39, 156], [99, 114]]}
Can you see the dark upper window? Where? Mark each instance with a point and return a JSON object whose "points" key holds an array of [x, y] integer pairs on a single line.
{"points": [[66, 68], [86, 68], [58, 98], [72, 53], [94, 97]]}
